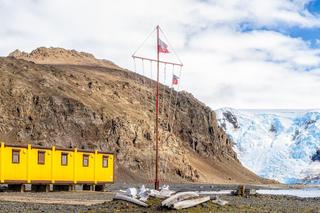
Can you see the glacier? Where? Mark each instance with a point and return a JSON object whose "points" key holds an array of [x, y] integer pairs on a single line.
{"points": [[283, 145]]}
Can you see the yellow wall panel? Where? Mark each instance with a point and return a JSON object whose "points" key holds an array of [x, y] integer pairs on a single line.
{"points": [[14, 171], [40, 171], [84, 173], [48, 166], [63, 173], [104, 174]]}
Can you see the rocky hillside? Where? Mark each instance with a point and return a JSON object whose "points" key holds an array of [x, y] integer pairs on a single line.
{"points": [[65, 98], [44, 55]]}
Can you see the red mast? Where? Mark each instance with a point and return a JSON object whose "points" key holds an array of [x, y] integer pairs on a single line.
{"points": [[157, 60], [156, 181]]}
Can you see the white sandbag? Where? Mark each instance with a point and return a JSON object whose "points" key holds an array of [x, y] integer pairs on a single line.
{"points": [[129, 199], [160, 194], [190, 203], [132, 192], [178, 197], [155, 193], [166, 193], [165, 187], [144, 198], [143, 193], [220, 202], [142, 190]]}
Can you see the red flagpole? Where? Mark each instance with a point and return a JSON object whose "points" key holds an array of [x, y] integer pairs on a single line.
{"points": [[157, 138], [157, 182]]}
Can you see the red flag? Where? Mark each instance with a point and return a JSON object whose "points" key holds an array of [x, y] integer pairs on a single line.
{"points": [[162, 47], [175, 80]]}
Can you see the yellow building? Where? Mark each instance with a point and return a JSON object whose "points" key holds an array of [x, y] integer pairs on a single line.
{"points": [[39, 165]]}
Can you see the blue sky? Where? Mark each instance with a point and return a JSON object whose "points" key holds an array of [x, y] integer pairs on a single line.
{"points": [[309, 34], [237, 53], [314, 6]]}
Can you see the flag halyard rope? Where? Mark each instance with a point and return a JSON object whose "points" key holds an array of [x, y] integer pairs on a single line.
{"points": [[144, 42], [176, 99]]}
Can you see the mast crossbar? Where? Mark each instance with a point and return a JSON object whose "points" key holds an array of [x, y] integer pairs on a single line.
{"points": [[154, 60]]}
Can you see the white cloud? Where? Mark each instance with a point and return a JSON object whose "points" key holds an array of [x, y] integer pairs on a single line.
{"points": [[223, 66], [254, 69]]}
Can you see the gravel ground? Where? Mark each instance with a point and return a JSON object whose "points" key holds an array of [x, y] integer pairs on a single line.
{"points": [[101, 202], [271, 203], [237, 204]]}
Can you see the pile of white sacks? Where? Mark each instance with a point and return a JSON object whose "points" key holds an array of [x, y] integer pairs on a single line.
{"points": [[180, 200]]}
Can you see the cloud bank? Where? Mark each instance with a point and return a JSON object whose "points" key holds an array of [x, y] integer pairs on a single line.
{"points": [[237, 53]]}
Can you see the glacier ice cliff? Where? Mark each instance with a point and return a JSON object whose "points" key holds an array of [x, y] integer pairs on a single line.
{"points": [[279, 144]]}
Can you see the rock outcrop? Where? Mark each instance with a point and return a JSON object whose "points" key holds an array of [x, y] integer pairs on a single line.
{"points": [[83, 102], [43, 55]]}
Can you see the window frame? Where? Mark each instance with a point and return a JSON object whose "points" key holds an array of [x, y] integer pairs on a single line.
{"points": [[40, 152], [66, 154], [85, 156], [15, 151], [105, 158]]}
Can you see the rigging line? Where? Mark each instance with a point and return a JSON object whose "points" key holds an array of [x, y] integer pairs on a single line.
{"points": [[176, 99], [153, 160], [166, 159], [169, 103], [135, 70], [162, 166], [151, 74], [134, 64], [143, 77], [150, 161], [151, 154], [174, 52], [164, 86], [144, 42]]}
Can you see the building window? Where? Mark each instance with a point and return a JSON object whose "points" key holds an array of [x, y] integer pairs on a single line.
{"points": [[105, 161], [85, 160], [64, 159], [41, 157], [15, 156]]}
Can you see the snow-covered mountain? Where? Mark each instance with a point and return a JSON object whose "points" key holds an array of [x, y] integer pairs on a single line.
{"points": [[279, 144]]}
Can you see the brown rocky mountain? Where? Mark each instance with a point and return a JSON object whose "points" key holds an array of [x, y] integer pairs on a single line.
{"points": [[66, 98], [44, 55]]}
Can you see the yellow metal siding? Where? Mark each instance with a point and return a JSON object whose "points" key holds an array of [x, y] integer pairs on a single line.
{"points": [[85, 173], [104, 174], [14, 171], [29, 170], [40, 171], [63, 172]]}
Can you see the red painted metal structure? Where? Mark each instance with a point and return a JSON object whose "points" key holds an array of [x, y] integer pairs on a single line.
{"points": [[157, 140], [154, 60]]}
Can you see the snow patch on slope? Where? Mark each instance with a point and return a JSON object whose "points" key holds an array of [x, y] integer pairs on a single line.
{"points": [[280, 145]]}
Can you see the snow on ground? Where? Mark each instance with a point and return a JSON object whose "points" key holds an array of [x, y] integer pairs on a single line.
{"points": [[276, 144]]}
